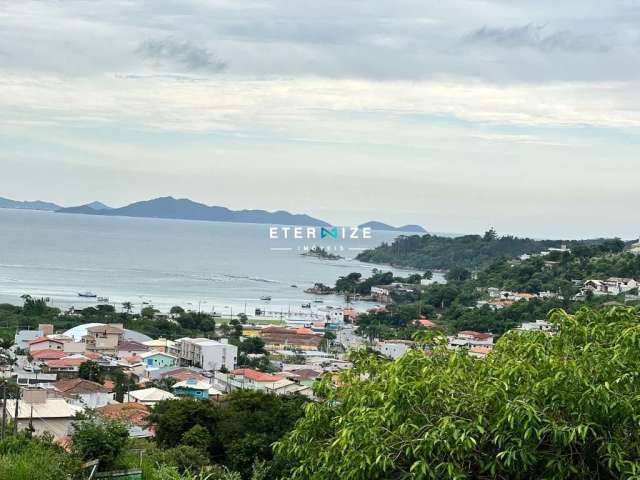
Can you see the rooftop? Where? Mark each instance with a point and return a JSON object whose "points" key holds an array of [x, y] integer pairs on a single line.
{"points": [[256, 376], [151, 394], [74, 386]]}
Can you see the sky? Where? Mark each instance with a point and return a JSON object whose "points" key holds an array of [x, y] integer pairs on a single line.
{"points": [[457, 115]]}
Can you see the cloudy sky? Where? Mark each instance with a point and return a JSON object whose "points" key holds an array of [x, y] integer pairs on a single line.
{"points": [[457, 115]]}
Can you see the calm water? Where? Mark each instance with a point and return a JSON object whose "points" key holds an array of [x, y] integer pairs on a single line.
{"points": [[207, 265]]}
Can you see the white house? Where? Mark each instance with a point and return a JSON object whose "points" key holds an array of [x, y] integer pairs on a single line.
{"points": [[393, 348], [205, 353], [23, 337], [83, 393], [53, 415], [149, 396]]}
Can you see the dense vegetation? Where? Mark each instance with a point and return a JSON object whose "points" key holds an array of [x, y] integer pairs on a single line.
{"points": [[222, 441], [539, 406], [468, 251], [454, 304]]}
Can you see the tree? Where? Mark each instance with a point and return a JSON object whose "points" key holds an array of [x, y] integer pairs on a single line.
{"points": [[540, 406], [148, 312], [91, 370], [127, 306], [253, 345], [123, 384], [428, 275], [490, 235], [99, 439], [176, 310], [197, 437]]}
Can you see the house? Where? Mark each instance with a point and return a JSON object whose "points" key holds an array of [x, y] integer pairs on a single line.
{"points": [[537, 326], [45, 343], [611, 286], [42, 380], [158, 359], [383, 293], [393, 348], [178, 373], [130, 348], [104, 338], [304, 376], [23, 337], [83, 393], [480, 351], [149, 396], [134, 415], [205, 353], [192, 388], [246, 378], [469, 338], [47, 354], [70, 363], [53, 415], [288, 387], [160, 344]]}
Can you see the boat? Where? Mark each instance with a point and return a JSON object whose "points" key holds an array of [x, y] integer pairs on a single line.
{"points": [[87, 294], [103, 299], [294, 286], [266, 298], [306, 305], [317, 300]]}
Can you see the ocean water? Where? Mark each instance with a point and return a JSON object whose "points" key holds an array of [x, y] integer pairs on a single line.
{"points": [[212, 266]]}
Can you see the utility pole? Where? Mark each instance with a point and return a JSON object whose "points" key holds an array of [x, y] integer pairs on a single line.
{"points": [[15, 416], [4, 408]]}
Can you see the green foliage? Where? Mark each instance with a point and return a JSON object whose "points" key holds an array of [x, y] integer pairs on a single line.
{"points": [[123, 383], [99, 439], [183, 458], [253, 345], [91, 370], [240, 431], [468, 251], [25, 458], [539, 406], [197, 437]]}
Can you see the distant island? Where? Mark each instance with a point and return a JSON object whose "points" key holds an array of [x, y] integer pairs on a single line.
{"points": [[27, 205], [186, 209], [321, 253], [389, 228]]}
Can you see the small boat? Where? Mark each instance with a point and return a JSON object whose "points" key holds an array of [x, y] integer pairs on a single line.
{"points": [[103, 299], [317, 300], [306, 305], [294, 286], [87, 294], [265, 298]]}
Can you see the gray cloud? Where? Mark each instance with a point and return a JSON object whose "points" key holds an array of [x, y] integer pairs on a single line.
{"points": [[171, 52], [534, 36]]}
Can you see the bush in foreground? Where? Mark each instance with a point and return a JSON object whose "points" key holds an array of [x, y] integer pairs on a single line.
{"points": [[540, 406]]}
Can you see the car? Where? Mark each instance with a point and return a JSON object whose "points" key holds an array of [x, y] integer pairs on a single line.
{"points": [[27, 367]]}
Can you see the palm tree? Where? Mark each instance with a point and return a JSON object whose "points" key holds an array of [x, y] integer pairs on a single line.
{"points": [[127, 307]]}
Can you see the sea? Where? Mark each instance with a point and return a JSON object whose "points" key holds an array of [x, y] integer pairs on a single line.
{"points": [[215, 267]]}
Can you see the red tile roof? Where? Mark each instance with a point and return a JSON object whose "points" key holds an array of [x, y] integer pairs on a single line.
{"points": [[257, 376], [44, 339], [79, 385], [66, 362], [477, 335], [426, 323], [480, 349], [48, 354], [181, 374]]}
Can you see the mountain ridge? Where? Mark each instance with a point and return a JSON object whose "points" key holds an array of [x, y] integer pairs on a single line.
{"points": [[185, 209]]}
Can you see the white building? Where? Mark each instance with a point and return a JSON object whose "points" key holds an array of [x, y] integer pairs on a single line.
{"points": [[393, 349], [537, 326], [23, 337], [611, 286], [205, 353], [83, 393], [149, 396], [52, 415]]}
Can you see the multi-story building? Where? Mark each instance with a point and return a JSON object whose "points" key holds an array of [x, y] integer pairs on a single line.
{"points": [[104, 338], [205, 353]]}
